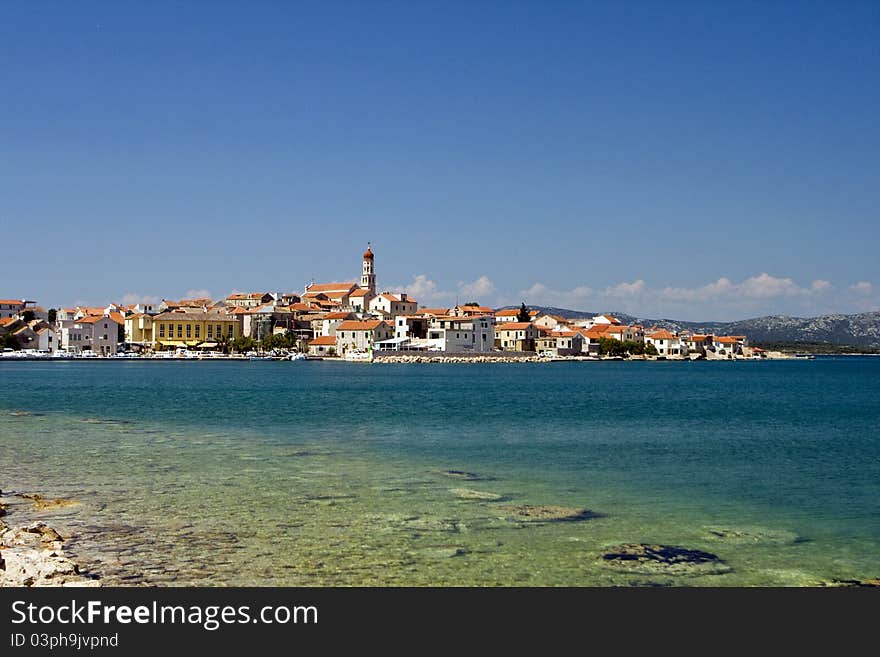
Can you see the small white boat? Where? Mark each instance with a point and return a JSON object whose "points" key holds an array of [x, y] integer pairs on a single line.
{"points": [[359, 356], [297, 356]]}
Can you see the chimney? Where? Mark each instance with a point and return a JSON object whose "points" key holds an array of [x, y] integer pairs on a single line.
{"points": [[403, 296]]}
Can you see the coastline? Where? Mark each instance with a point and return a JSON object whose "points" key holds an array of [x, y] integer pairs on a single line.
{"points": [[32, 553]]}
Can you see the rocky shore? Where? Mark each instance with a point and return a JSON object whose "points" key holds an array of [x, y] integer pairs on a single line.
{"points": [[32, 553]]}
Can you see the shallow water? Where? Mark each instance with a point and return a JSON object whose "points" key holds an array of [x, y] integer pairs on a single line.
{"points": [[317, 473]]}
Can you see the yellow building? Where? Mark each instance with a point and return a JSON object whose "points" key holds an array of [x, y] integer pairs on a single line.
{"points": [[139, 329], [175, 329]]}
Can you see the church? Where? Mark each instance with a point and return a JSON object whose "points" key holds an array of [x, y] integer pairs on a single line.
{"points": [[360, 298]]}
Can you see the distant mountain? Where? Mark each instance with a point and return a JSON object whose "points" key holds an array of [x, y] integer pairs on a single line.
{"points": [[862, 330]]}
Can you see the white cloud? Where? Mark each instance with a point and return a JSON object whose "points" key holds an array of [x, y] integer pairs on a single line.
{"points": [[626, 289], [481, 287], [862, 287], [765, 286], [820, 286], [198, 294], [132, 298], [541, 295], [424, 290], [721, 287]]}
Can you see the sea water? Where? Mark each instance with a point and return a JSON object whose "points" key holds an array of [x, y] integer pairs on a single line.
{"points": [[325, 473]]}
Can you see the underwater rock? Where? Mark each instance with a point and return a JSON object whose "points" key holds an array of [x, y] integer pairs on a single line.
{"points": [[444, 551], [663, 560], [421, 523], [464, 476], [547, 513], [756, 535], [41, 503], [470, 494], [867, 583]]}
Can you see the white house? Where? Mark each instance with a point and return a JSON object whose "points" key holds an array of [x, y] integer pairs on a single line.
{"points": [[46, 338], [355, 335], [99, 334], [331, 321], [460, 334], [322, 345], [393, 305], [667, 344]]}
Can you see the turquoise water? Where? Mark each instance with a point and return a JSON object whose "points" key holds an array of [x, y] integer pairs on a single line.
{"points": [[319, 473]]}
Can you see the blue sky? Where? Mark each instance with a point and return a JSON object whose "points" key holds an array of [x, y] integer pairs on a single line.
{"points": [[713, 160]]}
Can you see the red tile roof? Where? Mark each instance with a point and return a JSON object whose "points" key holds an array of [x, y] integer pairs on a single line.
{"points": [[331, 287], [513, 326], [355, 325], [323, 340]]}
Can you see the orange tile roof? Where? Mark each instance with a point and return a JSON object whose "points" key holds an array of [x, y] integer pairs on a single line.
{"points": [[337, 315], [513, 326], [299, 306], [331, 287], [360, 292], [728, 339], [699, 338], [248, 296], [433, 311], [91, 319], [117, 317], [323, 340], [8, 320], [507, 313], [661, 334], [355, 325]]}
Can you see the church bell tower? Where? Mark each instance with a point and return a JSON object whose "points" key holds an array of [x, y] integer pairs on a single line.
{"points": [[368, 277]]}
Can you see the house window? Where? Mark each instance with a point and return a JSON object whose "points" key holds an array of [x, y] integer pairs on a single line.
{"points": [[219, 331], [105, 325], [188, 331], [229, 331], [161, 330], [180, 330], [210, 330], [198, 330]]}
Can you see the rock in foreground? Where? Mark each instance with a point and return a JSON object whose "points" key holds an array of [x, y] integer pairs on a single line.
{"points": [[663, 560], [547, 513]]}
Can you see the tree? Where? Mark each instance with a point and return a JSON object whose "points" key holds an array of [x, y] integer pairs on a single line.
{"points": [[650, 349], [471, 303], [523, 315], [243, 343], [9, 341], [28, 316], [53, 315]]}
